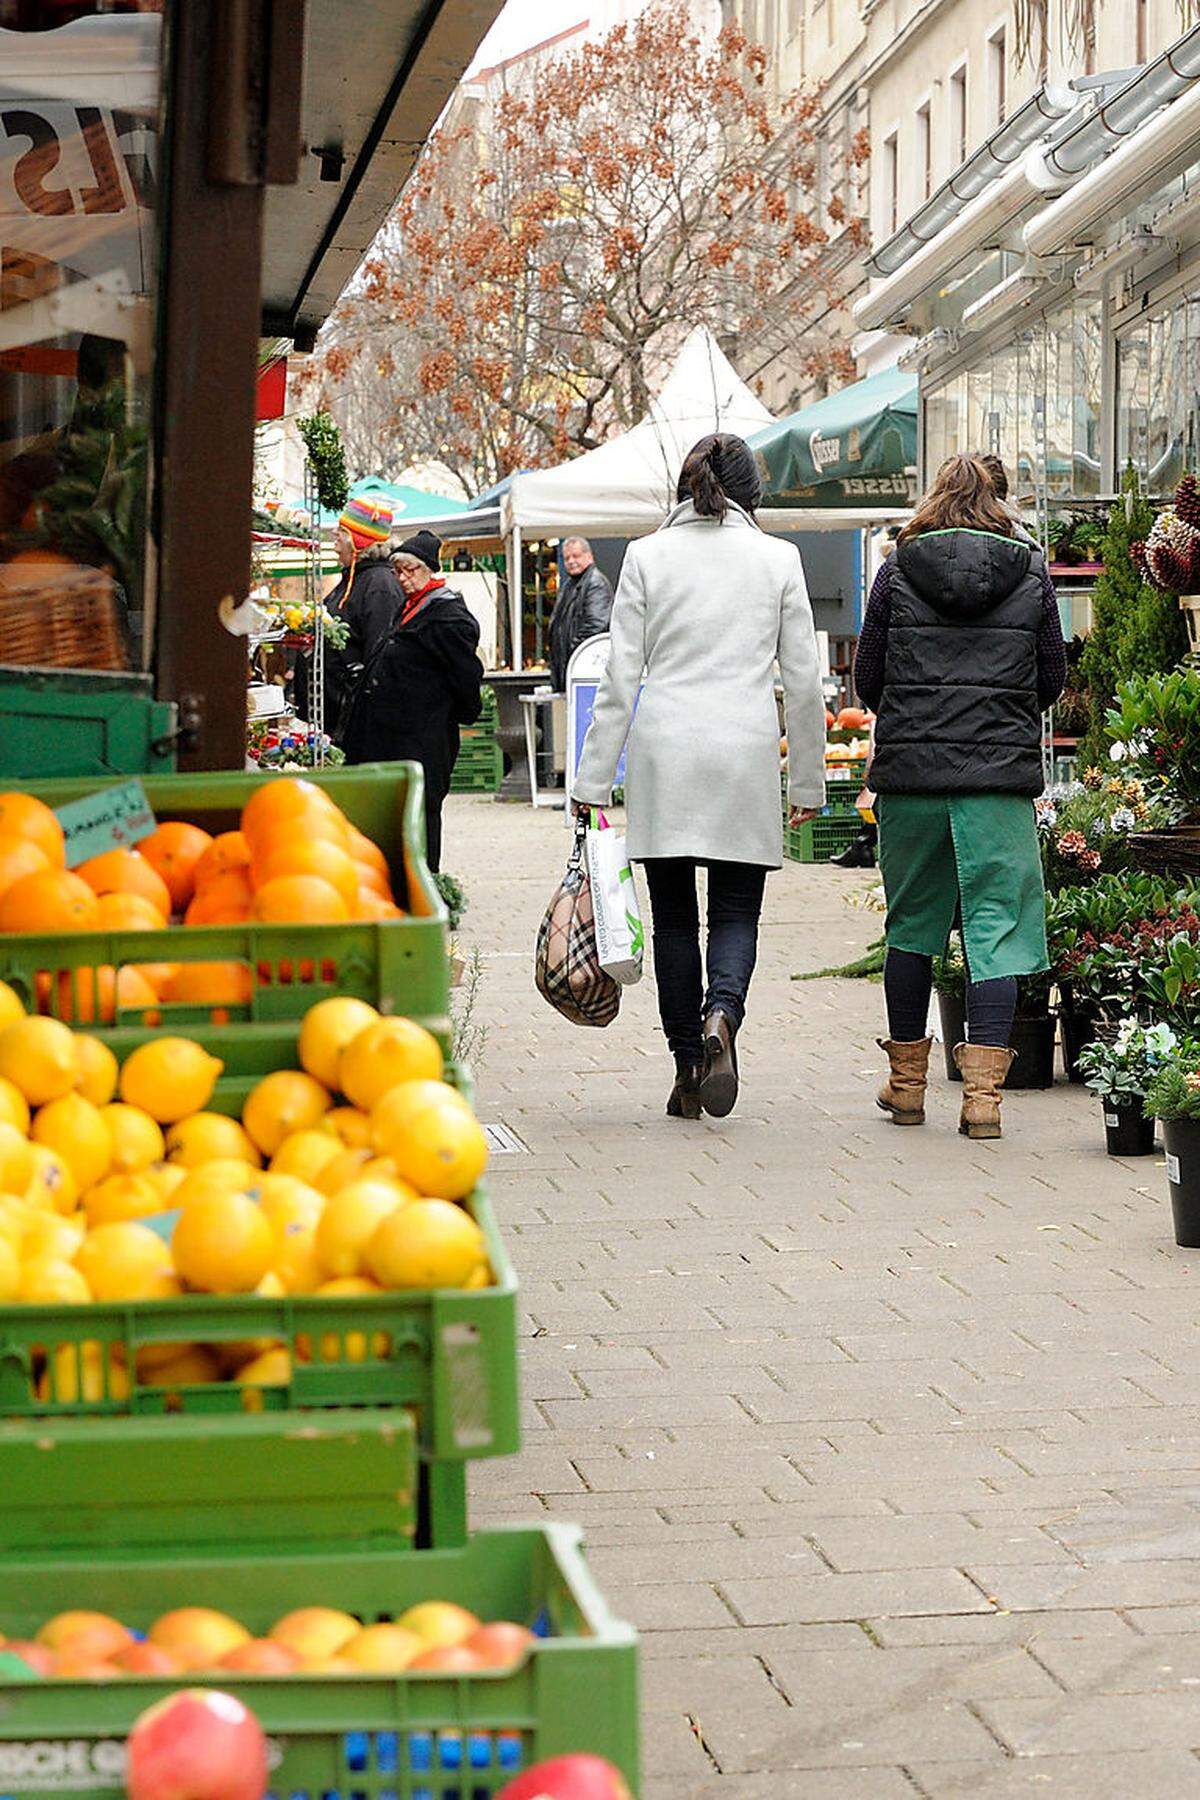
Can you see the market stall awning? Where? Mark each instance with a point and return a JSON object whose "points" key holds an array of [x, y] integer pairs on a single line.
{"points": [[856, 448], [375, 81]]}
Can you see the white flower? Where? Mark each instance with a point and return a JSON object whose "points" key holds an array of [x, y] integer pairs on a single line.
{"points": [[1118, 752], [1124, 819]]}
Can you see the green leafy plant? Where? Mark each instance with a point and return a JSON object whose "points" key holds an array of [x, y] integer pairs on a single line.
{"points": [[1121, 1065], [1136, 629], [1155, 732], [1084, 829], [323, 441], [454, 896], [1174, 1090], [95, 510]]}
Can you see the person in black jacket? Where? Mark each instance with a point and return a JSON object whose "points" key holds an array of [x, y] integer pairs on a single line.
{"points": [[583, 609], [422, 683], [367, 598]]}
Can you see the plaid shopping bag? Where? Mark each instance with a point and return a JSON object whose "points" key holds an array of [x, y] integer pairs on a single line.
{"points": [[567, 969]]}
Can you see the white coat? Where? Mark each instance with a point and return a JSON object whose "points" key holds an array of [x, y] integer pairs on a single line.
{"points": [[707, 609]]}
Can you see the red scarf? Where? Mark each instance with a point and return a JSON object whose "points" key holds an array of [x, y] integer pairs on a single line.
{"points": [[414, 602]]}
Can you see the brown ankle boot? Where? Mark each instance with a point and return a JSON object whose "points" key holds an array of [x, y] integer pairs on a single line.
{"points": [[983, 1068], [903, 1093], [685, 1095]]}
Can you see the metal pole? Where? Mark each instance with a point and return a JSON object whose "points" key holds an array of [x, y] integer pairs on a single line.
{"points": [[516, 599], [312, 597]]}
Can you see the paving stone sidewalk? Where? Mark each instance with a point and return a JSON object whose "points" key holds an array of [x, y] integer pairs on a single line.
{"points": [[889, 1443]]}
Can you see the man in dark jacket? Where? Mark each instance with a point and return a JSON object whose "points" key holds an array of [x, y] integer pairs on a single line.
{"points": [[584, 608], [422, 683], [366, 599]]}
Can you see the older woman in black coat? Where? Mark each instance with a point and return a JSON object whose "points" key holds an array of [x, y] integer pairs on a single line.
{"points": [[422, 683]]}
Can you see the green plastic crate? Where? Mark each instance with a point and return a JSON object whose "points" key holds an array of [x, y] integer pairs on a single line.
{"points": [[416, 1737], [151, 1485], [818, 839], [57, 722], [399, 965], [479, 768]]}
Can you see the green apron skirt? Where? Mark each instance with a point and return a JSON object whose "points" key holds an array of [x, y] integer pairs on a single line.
{"points": [[969, 858]]}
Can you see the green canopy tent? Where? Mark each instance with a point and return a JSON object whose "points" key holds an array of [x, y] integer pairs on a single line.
{"points": [[853, 449]]}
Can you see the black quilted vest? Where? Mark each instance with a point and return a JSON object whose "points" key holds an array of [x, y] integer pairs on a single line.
{"points": [[959, 713]]}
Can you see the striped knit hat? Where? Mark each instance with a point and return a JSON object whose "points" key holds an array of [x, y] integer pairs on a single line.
{"points": [[367, 521]]}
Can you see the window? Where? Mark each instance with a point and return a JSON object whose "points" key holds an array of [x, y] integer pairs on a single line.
{"points": [[925, 150], [1141, 35], [891, 184], [958, 115], [998, 75]]}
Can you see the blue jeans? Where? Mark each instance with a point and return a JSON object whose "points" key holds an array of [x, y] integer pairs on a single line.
{"points": [[735, 897]]}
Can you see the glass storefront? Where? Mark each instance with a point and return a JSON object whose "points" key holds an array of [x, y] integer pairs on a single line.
{"points": [[1158, 394], [1034, 401], [80, 93]]}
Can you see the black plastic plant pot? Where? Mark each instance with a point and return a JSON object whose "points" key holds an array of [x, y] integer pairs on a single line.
{"points": [[1127, 1130], [1032, 1040], [1181, 1140], [1079, 1023]]}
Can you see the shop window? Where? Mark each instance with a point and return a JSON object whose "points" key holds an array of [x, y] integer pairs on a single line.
{"points": [[79, 102], [998, 75], [1141, 35]]}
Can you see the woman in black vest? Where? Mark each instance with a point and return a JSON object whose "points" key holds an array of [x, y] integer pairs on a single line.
{"points": [[960, 652]]}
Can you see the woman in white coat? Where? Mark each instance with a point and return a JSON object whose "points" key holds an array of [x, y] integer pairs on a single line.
{"points": [[705, 610]]}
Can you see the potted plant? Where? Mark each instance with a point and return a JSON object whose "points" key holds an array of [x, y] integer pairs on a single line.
{"points": [[1119, 1066], [1173, 1095], [1034, 1029]]}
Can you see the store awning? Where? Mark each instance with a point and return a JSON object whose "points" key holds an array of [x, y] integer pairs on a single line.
{"points": [[856, 448], [375, 81]]}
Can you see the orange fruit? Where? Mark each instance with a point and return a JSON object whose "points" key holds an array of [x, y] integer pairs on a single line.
{"points": [[24, 817], [373, 908], [223, 1244], [18, 857], [95, 995], [225, 899], [121, 911], [284, 854], [227, 852], [175, 850], [364, 850], [125, 872], [49, 901], [288, 900], [209, 984], [285, 799], [373, 880]]}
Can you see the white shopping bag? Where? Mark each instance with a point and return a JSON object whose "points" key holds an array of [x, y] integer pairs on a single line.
{"points": [[620, 938]]}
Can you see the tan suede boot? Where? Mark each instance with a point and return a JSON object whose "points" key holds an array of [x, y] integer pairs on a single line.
{"points": [[983, 1068], [903, 1093]]}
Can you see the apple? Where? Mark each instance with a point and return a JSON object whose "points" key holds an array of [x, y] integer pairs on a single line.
{"points": [[502, 1645], [450, 1659], [569, 1778], [439, 1622], [198, 1744], [147, 1659], [262, 1657]]}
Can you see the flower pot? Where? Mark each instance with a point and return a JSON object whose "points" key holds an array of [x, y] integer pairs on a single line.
{"points": [[1079, 1022], [1032, 1042], [1181, 1140], [1127, 1130]]}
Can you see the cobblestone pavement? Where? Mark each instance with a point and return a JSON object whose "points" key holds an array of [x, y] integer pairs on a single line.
{"points": [[888, 1443]]}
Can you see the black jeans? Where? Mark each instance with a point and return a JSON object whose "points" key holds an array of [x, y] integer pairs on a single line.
{"points": [[735, 897]]}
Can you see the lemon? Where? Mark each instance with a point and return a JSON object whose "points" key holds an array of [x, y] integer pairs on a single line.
{"points": [[137, 1139], [11, 1006], [394, 1114], [49, 1281], [482, 1278], [305, 1154], [222, 1244], [293, 1211], [327, 1029], [192, 1365], [352, 1126], [14, 1107], [350, 1220], [170, 1078], [51, 1184], [295, 1259], [426, 1244], [342, 1170], [384, 1055], [127, 1262], [281, 1104], [439, 1147], [38, 1057], [207, 1136], [98, 1070], [82, 1372], [272, 1369], [16, 1163], [10, 1271], [168, 1178], [15, 1219], [77, 1130], [225, 1176], [48, 1234], [120, 1198], [286, 1201]]}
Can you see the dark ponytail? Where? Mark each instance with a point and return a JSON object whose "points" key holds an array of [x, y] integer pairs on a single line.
{"points": [[718, 469]]}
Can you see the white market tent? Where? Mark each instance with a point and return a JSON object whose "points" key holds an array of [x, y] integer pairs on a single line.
{"points": [[626, 487]]}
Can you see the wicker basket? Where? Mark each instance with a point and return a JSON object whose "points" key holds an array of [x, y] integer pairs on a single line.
{"points": [[1173, 851], [70, 619]]}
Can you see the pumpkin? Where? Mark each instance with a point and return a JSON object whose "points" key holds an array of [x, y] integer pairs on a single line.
{"points": [[852, 718]]}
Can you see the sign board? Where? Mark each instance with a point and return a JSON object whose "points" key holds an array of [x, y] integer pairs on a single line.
{"points": [[585, 671], [115, 818]]}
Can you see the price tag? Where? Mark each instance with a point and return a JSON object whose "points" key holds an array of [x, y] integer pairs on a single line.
{"points": [[1111, 1119], [115, 818], [1173, 1168]]}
